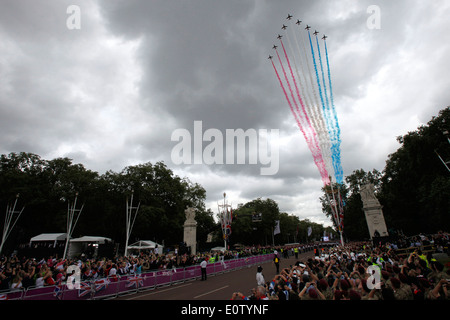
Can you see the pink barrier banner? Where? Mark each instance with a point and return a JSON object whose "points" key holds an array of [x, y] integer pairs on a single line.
{"points": [[178, 275], [12, 295], [192, 272], [149, 279], [219, 267], [45, 293], [163, 277], [101, 288]]}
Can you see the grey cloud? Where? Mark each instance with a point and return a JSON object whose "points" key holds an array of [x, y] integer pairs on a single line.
{"points": [[67, 93]]}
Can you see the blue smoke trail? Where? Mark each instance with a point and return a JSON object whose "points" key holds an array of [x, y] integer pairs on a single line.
{"points": [[332, 130], [335, 151], [318, 80], [323, 80], [336, 145]]}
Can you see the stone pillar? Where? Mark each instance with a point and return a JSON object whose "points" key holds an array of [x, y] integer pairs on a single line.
{"points": [[190, 230], [372, 210]]}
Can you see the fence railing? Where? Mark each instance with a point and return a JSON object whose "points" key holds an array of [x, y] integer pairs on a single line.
{"points": [[424, 248], [115, 286]]}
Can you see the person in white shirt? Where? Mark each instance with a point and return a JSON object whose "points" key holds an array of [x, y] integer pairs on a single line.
{"points": [[260, 281], [203, 267]]}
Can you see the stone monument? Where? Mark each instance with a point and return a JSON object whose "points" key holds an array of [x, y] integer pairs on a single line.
{"points": [[372, 210], [190, 230]]}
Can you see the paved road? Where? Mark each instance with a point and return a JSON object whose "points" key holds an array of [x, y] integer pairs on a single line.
{"points": [[218, 287]]}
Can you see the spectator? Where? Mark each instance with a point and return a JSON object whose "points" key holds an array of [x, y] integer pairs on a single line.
{"points": [[260, 277], [16, 282], [310, 292], [276, 261]]}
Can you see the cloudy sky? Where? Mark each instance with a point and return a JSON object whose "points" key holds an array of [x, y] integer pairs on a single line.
{"points": [[108, 85]]}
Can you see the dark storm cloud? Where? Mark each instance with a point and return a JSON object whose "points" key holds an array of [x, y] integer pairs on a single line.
{"points": [[111, 93]]}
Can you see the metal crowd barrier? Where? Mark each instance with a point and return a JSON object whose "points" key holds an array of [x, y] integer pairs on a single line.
{"points": [[121, 285], [424, 248]]}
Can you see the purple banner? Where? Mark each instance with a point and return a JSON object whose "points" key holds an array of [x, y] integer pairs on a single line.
{"points": [[100, 288]]}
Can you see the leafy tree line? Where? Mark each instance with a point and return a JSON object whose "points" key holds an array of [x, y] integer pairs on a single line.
{"points": [[413, 188], [46, 187], [247, 230]]}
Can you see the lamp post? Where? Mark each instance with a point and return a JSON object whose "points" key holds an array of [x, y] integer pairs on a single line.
{"points": [[225, 219]]}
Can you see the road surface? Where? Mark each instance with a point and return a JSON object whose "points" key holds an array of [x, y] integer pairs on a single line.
{"points": [[216, 287]]}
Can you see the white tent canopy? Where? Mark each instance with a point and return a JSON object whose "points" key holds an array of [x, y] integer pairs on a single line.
{"points": [[79, 245], [94, 239], [49, 237], [146, 245]]}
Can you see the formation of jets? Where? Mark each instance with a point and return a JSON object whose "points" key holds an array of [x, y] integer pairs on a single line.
{"points": [[284, 27]]}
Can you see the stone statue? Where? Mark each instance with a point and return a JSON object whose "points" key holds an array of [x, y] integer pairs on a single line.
{"points": [[190, 214], [373, 212], [368, 193], [190, 230]]}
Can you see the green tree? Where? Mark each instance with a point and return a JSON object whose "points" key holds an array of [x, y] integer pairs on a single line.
{"points": [[355, 225], [415, 188], [247, 232]]}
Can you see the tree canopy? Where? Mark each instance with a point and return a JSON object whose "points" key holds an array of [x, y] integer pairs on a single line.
{"points": [[47, 186], [413, 188]]}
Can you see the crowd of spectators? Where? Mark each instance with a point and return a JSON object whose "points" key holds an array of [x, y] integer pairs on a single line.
{"points": [[364, 271], [355, 271], [18, 272]]}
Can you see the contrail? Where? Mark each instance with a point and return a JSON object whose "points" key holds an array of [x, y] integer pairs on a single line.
{"points": [[338, 167], [318, 160]]}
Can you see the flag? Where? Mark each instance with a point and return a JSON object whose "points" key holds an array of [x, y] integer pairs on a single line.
{"points": [[101, 284], [135, 282], [85, 288], [309, 231], [57, 292], [277, 227]]}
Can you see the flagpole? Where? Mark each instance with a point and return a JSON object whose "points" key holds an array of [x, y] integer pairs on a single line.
{"points": [[8, 218], [273, 238], [129, 223], [337, 213], [70, 224]]}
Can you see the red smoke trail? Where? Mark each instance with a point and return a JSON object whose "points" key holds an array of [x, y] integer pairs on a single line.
{"points": [[287, 97], [317, 158], [308, 121]]}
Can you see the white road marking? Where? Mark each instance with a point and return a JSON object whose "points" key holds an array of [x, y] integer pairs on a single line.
{"points": [[159, 291], [206, 293]]}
